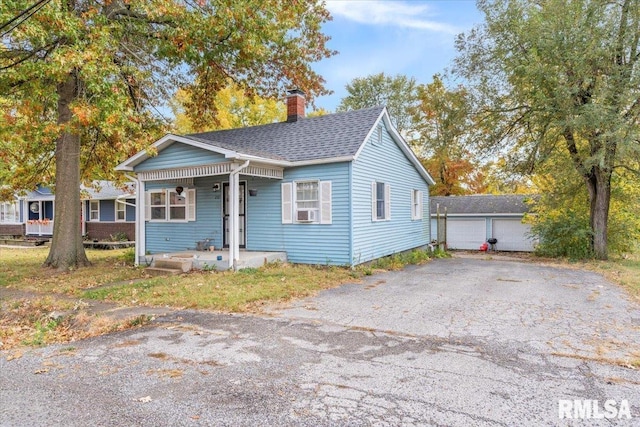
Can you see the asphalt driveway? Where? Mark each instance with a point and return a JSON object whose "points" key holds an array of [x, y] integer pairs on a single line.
{"points": [[462, 342]]}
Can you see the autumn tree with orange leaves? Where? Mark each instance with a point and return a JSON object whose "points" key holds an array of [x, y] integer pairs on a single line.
{"points": [[84, 82], [443, 129]]}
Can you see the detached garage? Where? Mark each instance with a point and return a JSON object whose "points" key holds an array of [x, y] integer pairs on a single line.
{"points": [[473, 220]]}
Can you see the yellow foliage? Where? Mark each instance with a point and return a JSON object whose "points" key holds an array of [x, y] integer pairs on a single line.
{"points": [[235, 109]]}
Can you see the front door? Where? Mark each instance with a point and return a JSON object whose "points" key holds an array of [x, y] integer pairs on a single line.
{"points": [[242, 214]]}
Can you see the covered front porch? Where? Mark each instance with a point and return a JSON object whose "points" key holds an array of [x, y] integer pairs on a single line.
{"points": [[192, 193], [213, 260]]}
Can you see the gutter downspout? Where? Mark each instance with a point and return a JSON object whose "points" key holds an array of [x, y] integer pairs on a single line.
{"points": [[138, 218], [140, 225], [234, 219], [140, 221]]}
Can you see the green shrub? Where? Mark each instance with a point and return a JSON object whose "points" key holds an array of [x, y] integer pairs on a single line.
{"points": [[563, 234], [129, 256]]}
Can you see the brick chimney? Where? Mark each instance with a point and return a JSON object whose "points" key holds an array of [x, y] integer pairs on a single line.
{"points": [[295, 105]]}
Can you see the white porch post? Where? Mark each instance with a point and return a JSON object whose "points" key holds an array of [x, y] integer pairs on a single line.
{"points": [[233, 189], [140, 221], [234, 214]]}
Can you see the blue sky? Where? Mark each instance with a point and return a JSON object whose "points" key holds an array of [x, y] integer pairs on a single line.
{"points": [[410, 37]]}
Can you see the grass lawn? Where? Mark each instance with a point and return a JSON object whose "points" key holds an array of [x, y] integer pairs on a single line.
{"points": [[34, 293], [21, 269], [624, 271]]}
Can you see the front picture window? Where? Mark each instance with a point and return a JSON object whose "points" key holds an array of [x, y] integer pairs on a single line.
{"points": [[177, 205]]}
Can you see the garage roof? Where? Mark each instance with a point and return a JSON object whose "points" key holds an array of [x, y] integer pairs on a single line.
{"points": [[482, 204]]}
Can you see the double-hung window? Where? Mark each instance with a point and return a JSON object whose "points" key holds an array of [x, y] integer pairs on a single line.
{"points": [[158, 205], [380, 201], [306, 202], [94, 210], [169, 205], [177, 206], [121, 211]]}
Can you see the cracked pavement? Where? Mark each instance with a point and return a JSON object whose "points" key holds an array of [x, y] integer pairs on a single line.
{"points": [[459, 342]]}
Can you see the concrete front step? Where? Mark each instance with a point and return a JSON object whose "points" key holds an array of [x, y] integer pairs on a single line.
{"points": [[183, 265], [156, 271]]}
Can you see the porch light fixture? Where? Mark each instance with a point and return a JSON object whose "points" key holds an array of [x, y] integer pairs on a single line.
{"points": [[253, 192], [216, 187], [179, 190]]}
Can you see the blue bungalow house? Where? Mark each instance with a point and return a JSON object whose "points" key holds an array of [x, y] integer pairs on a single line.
{"points": [[340, 189]]}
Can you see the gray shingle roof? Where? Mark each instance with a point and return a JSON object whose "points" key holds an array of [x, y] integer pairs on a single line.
{"points": [[103, 190], [313, 138], [482, 204], [108, 190]]}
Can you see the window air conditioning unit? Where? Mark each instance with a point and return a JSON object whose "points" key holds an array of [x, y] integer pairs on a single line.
{"points": [[306, 215]]}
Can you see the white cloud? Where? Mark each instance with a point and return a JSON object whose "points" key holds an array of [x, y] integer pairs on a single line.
{"points": [[390, 13]]}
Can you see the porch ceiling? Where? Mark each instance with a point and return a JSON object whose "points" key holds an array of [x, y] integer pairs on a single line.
{"points": [[263, 171]]}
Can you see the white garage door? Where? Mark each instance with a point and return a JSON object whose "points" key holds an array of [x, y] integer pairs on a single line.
{"points": [[512, 235], [466, 233]]}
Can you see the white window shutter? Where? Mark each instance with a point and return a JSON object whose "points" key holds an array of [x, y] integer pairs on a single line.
{"points": [[413, 204], [325, 202], [191, 204], [420, 205], [147, 205], [287, 203], [387, 202], [374, 215]]}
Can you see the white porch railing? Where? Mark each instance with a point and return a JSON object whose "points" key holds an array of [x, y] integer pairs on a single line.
{"points": [[39, 227]]}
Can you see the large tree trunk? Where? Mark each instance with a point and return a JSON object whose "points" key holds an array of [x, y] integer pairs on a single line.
{"points": [[67, 250], [599, 186]]}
